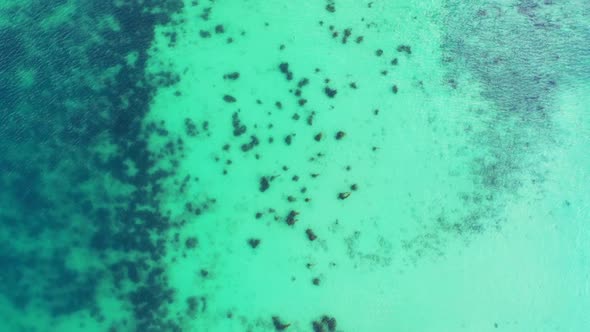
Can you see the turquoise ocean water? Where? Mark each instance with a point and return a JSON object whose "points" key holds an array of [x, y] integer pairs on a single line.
{"points": [[328, 165]]}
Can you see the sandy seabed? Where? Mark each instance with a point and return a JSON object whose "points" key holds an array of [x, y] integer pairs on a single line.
{"points": [[331, 165]]}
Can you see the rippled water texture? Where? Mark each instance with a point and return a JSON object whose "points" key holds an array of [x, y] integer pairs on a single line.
{"points": [[330, 165]]}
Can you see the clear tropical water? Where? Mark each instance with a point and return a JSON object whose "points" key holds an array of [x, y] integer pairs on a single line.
{"points": [[329, 165]]}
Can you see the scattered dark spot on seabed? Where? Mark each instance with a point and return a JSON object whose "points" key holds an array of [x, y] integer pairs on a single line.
{"points": [[254, 243], [61, 165], [278, 324]]}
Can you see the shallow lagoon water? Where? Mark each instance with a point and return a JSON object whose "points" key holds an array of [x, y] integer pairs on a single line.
{"points": [[316, 166]]}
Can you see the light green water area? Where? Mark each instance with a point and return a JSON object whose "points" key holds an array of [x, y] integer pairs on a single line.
{"points": [[404, 165], [468, 216]]}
